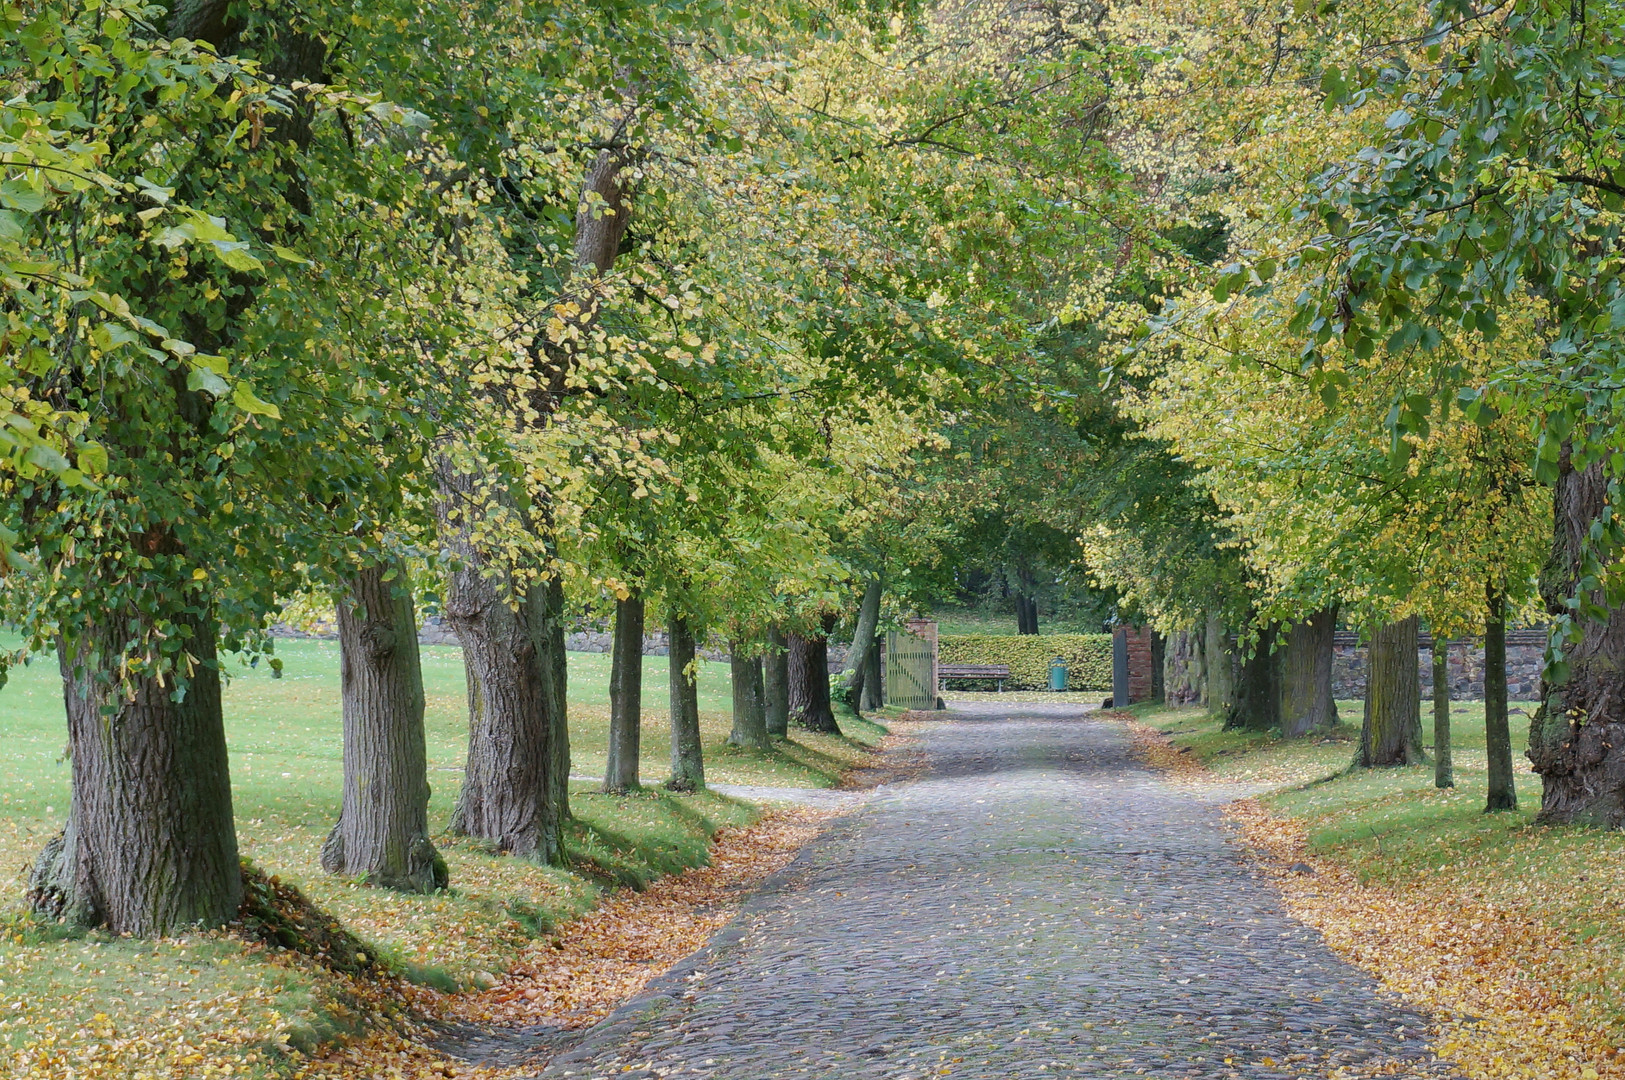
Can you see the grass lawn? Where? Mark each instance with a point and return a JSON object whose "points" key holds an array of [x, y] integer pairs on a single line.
{"points": [[1392, 827], [286, 754]]}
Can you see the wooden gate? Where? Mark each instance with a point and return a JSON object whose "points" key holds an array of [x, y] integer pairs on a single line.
{"points": [[911, 670]]}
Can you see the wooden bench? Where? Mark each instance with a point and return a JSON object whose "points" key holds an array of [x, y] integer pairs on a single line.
{"points": [[997, 672]]}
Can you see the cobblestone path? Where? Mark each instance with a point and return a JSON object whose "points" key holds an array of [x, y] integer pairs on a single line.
{"points": [[1037, 904]]}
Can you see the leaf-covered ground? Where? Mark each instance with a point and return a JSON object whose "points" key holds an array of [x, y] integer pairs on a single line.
{"points": [[84, 1006], [1512, 933], [578, 975]]}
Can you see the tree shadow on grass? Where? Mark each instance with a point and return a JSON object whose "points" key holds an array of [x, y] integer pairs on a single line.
{"points": [[631, 841]]}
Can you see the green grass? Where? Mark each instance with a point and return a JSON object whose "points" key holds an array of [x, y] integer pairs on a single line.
{"points": [[1264, 759], [284, 737], [1394, 827], [974, 622]]}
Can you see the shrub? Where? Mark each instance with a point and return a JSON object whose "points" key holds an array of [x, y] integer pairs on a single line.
{"points": [[1088, 657]]}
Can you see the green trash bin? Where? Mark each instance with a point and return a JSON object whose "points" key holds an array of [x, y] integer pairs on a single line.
{"points": [[1057, 674]]}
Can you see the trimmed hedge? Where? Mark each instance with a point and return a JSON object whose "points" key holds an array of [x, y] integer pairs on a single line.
{"points": [[1088, 657]]}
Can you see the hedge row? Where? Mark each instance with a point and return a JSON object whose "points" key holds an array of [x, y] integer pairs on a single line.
{"points": [[1088, 657]]}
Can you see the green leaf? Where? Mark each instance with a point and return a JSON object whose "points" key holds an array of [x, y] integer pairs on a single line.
{"points": [[46, 457], [201, 378], [93, 458], [19, 196], [243, 397], [234, 253]]}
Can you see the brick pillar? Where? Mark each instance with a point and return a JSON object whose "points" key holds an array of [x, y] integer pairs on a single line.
{"points": [[1140, 681]]}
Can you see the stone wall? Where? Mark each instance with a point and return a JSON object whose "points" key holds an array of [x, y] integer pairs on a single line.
{"points": [[434, 631], [1525, 650]]}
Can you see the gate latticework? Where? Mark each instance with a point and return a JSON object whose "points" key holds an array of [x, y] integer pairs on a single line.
{"points": [[911, 670]]}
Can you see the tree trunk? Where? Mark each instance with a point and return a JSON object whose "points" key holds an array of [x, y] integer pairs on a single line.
{"points": [[1392, 731], [625, 696], [863, 638], [382, 833], [1257, 704], [1307, 705], [873, 691], [510, 791], [687, 754], [150, 845], [1221, 668], [556, 663], [1503, 788], [1159, 660], [1026, 614], [1443, 773], [1577, 736], [750, 719], [809, 681], [1183, 680], [776, 683]]}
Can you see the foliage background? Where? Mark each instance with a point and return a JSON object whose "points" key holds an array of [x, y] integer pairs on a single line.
{"points": [[1088, 657]]}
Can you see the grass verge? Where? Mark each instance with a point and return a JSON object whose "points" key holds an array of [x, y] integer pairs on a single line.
{"points": [[90, 1006], [1513, 933]]}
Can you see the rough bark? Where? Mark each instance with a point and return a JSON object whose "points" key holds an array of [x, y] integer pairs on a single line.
{"points": [[1257, 702], [382, 834], [1577, 736], [809, 681], [556, 664], [863, 639], [625, 696], [776, 683], [604, 212], [873, 690], [1159, 661], [1503, 789], [1184, 680], [150, 846], [1443, 771], [750, 719], [1026, 614], [1221, 667], [687, 753], [1307, 705], [510, 793], [1391, 733]]}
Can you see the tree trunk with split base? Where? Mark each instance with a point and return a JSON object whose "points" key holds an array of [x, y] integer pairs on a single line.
{"points": [[872, 688], [510, 793], [863, 638], [382, 833], [150, 847]]}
